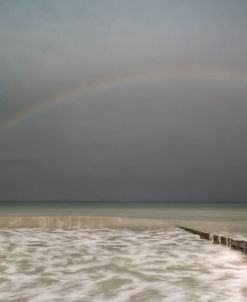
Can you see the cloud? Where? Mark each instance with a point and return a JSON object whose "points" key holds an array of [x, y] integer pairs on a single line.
{"points": [[171, 139]]}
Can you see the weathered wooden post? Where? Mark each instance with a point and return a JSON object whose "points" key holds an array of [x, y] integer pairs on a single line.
{"points": [[240, 245]]}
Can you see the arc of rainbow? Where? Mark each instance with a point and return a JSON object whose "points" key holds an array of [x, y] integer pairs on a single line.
{"points": [[120, 81]]}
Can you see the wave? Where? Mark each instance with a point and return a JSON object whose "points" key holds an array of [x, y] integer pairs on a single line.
{"points": [[117, 265], [236, 230], [81, 221]]}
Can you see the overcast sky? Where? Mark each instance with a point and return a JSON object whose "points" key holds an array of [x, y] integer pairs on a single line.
{"points": [[167, 139]]}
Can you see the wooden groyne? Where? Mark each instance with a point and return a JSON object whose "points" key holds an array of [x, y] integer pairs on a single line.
{"points": [[240, 245]]}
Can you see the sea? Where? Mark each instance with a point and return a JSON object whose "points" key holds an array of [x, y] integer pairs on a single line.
{"points": [[120, 251]]}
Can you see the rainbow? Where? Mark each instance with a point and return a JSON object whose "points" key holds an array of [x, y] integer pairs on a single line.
{"points": [[120, 81]]}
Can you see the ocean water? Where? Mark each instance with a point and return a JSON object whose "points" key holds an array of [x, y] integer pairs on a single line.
{"points": [[120, 252]]}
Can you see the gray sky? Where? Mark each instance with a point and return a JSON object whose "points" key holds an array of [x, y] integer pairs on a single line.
{"points": [[171, 138]]}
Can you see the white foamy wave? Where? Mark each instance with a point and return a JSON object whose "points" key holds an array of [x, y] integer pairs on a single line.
{"points": [[40, 265]]}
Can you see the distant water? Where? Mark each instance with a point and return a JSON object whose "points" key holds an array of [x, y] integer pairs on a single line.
{"points": [[213, 217], [120, 252]]}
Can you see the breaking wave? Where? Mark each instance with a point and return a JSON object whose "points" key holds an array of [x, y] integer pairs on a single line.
{"points": [[114, 264]]}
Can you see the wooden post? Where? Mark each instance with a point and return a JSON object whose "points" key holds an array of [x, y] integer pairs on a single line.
{"points": [[240, 245]]}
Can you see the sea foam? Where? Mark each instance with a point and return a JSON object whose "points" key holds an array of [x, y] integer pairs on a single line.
{"points": [[117, 264]]}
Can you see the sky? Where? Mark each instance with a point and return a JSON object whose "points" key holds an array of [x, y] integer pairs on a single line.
{"points": [[115, 100]]}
